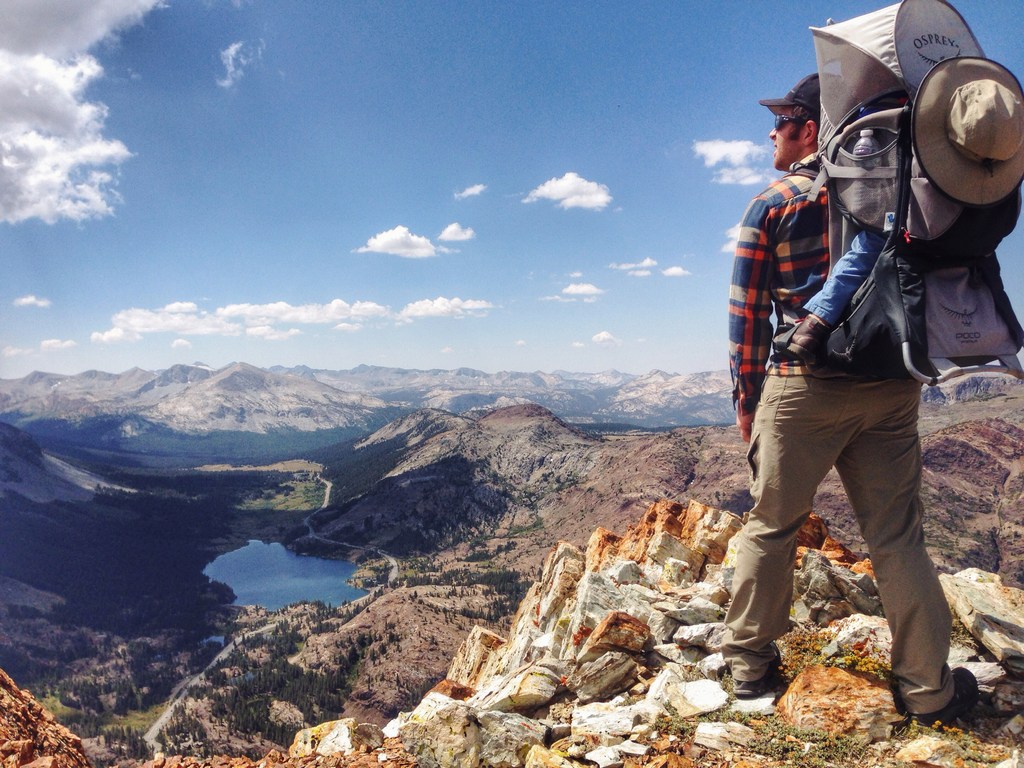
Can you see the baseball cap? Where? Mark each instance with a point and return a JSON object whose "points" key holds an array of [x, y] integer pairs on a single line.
{"points": [[806, 94]]}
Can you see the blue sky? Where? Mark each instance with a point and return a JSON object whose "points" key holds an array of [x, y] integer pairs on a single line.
{"points": [[505, 186]]}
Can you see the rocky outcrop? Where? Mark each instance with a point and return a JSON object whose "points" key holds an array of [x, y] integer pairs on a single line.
{"points": [[826, 592], [612, 644], [695, 534], [839, 702], [587, 632], [993, 613], [474, 655], [29, 736], [602, 652], [337, 736]]}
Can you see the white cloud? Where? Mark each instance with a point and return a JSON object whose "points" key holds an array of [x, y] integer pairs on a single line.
{"points": [[182, 318], [473, 191], [400, 242], [639, 273], [675, 272], [520, 342], [31, 301], [733, 235], [54, 153], [283, 312], [47, 345], [61, 28], [447, 350], [645, 264], [270, 333], [113, 336], [572, 191], [582, 289], [56, 161], [181, 307], [442, 307], [576, 275], [739, 158], [717, 151], [185, 318], [456, 231], [743, 175], [237, 58], [605, 339], [181, 344], [573, 292], [54, 345], [578, 345]]}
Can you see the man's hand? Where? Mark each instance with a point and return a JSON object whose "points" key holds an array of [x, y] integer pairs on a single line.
{"points": [[745, 421]]}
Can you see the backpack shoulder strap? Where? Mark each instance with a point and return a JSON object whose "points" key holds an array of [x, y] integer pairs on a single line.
{"points": [[810, 169], [813, 170], [820, 179]]}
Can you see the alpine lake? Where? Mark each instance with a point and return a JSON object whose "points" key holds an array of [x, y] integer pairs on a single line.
{"points": [[271, 576]]}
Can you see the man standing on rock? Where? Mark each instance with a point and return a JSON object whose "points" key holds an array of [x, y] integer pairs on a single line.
{"points": [[799, 425]]}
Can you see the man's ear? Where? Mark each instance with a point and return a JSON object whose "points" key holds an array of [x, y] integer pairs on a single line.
{"points": [[810, 129]]}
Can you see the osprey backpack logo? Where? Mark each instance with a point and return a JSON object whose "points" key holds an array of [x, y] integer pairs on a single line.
{"points": [[934, 48], [966, 317]]}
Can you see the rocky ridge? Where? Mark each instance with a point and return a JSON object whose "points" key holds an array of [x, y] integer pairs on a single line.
{"points": [[617, 642], [39, 476], [515, 469], [29, 736], [522, 466], [612, 659]]}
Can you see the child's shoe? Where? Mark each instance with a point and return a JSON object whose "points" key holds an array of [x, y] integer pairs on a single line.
{"points": [[808, 338]]}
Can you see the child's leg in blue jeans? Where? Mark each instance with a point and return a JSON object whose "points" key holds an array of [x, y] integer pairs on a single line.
{"points": [[847, 275], [826, 307]]}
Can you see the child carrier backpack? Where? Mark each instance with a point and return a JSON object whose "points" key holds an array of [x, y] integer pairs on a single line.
{"points": [[934, 306]]}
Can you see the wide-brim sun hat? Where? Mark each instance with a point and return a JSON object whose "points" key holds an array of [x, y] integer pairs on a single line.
{"points": [[968, 127]]}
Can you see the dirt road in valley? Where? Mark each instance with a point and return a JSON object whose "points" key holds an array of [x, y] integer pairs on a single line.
{"points": [[181, 688], [392, 573]]}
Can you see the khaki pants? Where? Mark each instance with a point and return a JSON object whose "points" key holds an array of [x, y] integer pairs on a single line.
{"points": [[868, 431]]}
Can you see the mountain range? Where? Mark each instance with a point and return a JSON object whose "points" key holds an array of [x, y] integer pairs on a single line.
{"points": [[240, 397], [239, 409]]}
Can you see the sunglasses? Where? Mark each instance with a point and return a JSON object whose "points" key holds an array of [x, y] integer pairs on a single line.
{"points": [[781, 120]]}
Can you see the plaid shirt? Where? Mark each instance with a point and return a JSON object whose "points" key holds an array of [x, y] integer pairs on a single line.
{"points": [[781, 259]]}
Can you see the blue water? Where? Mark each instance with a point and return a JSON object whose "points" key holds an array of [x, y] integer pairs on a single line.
{"points": [[273, 577]]}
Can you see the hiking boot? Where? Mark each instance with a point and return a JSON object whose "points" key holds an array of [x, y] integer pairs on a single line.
{"points": [[808, 338], [965, 696], [765, 684]]}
